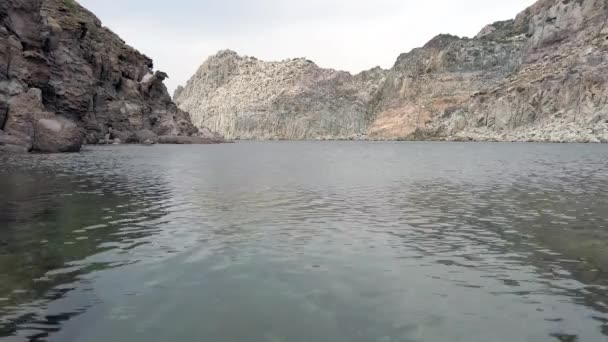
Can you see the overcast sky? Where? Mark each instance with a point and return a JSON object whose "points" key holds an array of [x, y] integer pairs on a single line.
{"points": [[352, 35]]}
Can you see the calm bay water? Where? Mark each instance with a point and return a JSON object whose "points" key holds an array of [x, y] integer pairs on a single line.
{"points": [[306, 241]]}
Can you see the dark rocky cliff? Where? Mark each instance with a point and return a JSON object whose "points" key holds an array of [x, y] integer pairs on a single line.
{"points": [[66, 80]]}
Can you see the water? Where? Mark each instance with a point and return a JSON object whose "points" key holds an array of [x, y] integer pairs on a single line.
{"points": [[307, 241]]}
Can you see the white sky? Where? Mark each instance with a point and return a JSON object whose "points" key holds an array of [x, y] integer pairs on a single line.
{"points": [[352, 35]]}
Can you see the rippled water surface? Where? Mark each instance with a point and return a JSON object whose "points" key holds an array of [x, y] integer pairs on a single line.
{"points": [[307, 241]]}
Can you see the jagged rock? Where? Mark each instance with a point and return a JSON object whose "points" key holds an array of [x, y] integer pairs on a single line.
{"points": [[540, 77], [80, 71]]}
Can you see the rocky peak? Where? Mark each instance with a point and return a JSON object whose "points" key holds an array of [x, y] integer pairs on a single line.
{"points": [[227, 54], [248, 98], [441, 41]]}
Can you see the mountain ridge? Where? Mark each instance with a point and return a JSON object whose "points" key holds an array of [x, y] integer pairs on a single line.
{"points": [[495, 86]]}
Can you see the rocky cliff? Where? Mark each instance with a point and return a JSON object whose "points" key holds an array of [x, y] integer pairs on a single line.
{"points": [[295, 99], [65, 80], [540, 77]]}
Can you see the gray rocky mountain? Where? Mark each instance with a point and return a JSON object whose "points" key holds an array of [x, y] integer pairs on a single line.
{"points": [[540, 77], [247, 98]]}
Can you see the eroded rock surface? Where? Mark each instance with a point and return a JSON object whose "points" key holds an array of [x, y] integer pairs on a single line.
{"points": [[66, 80], [540, 77]]}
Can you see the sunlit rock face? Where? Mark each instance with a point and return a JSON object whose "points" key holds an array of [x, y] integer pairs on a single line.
{"points": [[68, 80], [539, 77]]}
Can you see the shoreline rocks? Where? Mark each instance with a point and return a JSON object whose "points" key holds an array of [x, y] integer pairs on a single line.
{"points": [[177, 140], [55, 135]]}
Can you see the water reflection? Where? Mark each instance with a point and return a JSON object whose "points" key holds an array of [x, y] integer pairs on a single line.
{"points": [[60, 226], [523, 224], [307, 241]]}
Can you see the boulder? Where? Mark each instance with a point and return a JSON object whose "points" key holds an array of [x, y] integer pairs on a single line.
{"points": [[122, 136], [144, 136], [57, 134], [12, 143]]}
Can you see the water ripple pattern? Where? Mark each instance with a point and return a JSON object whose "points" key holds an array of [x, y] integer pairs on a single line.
{"points": [[306, 241]]}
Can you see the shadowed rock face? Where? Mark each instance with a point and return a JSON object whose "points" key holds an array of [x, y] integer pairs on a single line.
{"points": [[59, 64], [539, 77]]}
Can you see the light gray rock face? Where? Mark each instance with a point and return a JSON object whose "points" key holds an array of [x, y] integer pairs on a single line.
{"points": [[246, 98], [559, 91], [540, 77], [65, 79]]}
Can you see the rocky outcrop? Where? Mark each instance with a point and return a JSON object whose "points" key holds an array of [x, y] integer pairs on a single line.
{"points": [[66, 80], [539, 77], [438, 77], [559, 89], [243, 97]]}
